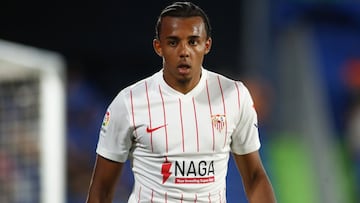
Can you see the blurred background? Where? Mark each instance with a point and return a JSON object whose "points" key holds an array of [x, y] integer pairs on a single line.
{"points": [[300, 60]]}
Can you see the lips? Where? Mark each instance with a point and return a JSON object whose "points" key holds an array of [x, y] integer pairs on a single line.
{"points": [[183, 68]]}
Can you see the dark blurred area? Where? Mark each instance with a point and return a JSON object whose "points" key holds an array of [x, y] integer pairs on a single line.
{"points": [[105, 39]]}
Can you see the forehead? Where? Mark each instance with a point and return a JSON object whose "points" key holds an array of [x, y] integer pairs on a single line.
{"points": [[178, 26]]}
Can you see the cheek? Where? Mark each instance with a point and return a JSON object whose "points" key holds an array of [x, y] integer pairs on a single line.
{"points": [[201, 50], [168, 58], [200, 53]]}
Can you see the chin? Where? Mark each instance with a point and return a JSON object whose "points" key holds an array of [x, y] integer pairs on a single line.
{"points": [[185, 80]]}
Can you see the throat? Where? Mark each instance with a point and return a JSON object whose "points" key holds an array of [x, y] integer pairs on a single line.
{"points": [[185, 85], [182, 84]]}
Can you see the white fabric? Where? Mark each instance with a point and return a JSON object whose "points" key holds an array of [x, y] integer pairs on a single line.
{"points": [[191, 134]]}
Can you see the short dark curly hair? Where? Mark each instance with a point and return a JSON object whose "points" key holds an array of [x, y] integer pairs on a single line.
{"points": [[183, 9]]}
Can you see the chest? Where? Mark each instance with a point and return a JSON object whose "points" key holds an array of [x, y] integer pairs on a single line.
{"points": [[175, 125]]}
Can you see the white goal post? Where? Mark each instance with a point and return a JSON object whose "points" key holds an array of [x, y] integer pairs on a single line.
{"points": [[32, 124]]}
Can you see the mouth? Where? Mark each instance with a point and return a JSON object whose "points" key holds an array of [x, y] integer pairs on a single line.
{"points": [[184, 68]]}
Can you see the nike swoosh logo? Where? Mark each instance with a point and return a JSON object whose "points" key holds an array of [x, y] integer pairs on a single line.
{"points": [[150, 130]]}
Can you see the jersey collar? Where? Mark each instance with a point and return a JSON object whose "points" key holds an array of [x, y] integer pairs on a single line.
{"points": [[190, 94]]}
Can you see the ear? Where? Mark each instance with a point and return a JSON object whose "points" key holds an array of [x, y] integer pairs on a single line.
{"points": [[208, 44], [157, 47]]}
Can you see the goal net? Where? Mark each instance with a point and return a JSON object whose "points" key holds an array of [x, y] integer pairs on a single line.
{"points": [[32, 125]]}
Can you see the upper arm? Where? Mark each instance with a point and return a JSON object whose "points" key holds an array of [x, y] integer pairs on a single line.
{"points": [[115, 138], [249, 165], [245, 137], [256, 183], [104, 178]]}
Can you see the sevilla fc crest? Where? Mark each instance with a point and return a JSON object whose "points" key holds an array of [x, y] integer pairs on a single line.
{"points": [[218, 121]]}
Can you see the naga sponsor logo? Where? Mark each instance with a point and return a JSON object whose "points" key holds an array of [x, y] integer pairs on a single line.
{"points": [[189, 172], [165, 170]]}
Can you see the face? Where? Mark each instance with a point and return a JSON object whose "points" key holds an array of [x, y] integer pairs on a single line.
{"points": [[182, 45]]}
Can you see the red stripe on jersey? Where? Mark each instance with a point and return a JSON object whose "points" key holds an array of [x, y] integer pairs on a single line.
{"points": [[139, 195], [182, 198], [150, 125], [209, 197], [223, 100], [196, 123], [132, 112], [182, 126], [212, 126], [152, 195], [220, 196], [165, 197], [238, 93], [163, 105], [195, 200]]}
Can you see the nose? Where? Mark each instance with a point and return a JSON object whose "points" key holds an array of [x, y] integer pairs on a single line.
{"points": [[184, 50]]}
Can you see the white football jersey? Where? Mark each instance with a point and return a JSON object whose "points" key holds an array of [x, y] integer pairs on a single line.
{"points": [[178, 143]]}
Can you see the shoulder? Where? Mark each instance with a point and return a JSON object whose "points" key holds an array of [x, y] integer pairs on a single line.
{"points": [[230, 88], [135, 90], [213, 75], [141, 86], [225, 81]]}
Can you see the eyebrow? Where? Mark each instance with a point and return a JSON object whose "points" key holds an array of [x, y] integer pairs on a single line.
{"points": [[177, 38]]}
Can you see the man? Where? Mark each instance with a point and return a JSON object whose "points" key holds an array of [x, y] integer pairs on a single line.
{"points": [[179, 125]]}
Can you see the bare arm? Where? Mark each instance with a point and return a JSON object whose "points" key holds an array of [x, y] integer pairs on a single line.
{"points": [[103, 182], [256, 182]]}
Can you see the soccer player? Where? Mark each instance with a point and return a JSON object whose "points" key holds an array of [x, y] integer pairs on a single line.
{"points": [[179, 126]]}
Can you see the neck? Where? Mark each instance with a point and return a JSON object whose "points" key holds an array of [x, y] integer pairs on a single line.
{"points": [[182, 85]]}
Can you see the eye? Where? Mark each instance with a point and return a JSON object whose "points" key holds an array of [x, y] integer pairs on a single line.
{"points": [[172, 43], [192, 42]]}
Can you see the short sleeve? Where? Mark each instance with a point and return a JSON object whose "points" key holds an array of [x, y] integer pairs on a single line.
{"points": [[115, 138], [245, 138]]}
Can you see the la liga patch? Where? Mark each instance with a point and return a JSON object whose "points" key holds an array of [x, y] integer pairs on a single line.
{"points": [[106, 119]]}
